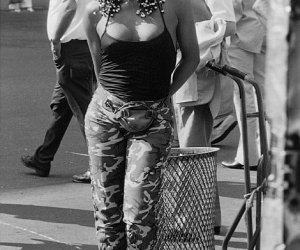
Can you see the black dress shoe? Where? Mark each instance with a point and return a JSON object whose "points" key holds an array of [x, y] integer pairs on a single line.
{"points": [[82, 178], [236, 165], [253, 168], [217, 230], [41, 170]]}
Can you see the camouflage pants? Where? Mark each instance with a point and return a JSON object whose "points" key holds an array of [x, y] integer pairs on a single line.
{"points": [[125, 173]]}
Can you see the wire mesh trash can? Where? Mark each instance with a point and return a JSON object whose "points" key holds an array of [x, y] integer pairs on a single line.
{"points": [[185, 208]]}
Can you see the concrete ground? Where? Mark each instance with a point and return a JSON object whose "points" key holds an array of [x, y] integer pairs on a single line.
{"points": [[54, 213]]}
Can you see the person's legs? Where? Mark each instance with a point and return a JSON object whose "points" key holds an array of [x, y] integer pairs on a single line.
{"points": [[195, 126], [226, 121], [110, 146], [14, 7], [27, 4], [76, 77], [71, 96], [251, 127], [40, 161], [176, 121], [145, 156], [227, 106], [259, 76], [244, 61], [259, 70], [62, 116], [107, 150]]}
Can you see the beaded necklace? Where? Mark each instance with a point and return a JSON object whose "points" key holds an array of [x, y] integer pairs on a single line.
{"points": [[146, 7]]}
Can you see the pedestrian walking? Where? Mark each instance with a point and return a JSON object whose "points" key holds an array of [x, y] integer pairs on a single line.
{"points": [[14, 5], [18, 5], [247, 54], [129, 120], [27, 4], [75, 81]]}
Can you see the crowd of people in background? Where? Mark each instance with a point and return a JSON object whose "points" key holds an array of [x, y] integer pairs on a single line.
{"points": [[19, 5], [117, 74]]}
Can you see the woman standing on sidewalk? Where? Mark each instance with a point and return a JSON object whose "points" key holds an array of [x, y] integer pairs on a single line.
{"points": [[129, 120]]}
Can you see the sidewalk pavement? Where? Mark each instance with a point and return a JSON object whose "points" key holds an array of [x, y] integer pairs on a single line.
{"points": [[54, 213], [60, 216]]}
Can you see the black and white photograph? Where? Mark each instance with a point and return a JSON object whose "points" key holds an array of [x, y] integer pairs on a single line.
{"points": [[149, 125]]}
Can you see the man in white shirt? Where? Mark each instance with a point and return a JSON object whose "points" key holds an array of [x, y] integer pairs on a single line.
{"points": [[75, 81]]}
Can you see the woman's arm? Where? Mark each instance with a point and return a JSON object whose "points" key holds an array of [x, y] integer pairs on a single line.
{"points": [[201, 11], [188, 45], [230, 28], [90, 20]]}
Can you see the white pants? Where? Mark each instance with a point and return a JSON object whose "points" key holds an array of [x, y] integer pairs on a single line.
{"points": [[227, 106], [22, 4], [26, 4], [254, 65]]}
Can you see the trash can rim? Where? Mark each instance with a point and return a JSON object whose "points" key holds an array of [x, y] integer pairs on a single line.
{"points": [[189, 151]]}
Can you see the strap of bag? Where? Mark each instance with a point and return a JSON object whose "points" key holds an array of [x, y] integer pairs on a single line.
{"points": [[125, 113]]}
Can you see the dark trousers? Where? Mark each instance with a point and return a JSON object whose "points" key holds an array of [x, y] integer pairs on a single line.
{"points": [[71, 95]]}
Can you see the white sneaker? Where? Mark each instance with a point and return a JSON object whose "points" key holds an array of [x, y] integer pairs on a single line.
{"points": [[30, 9]]}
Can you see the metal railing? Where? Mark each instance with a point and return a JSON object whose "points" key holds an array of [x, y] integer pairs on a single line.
{"points": [[253, 239]]}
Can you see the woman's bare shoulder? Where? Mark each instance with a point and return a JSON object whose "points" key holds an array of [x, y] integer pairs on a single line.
{"points": [[92, 7], [92, 12]]}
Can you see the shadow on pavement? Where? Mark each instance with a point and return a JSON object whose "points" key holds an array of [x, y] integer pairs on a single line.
{"points": [[49, 214], [238, 240], [232, 244], [231, 189], [47, 245], [241, 235]]}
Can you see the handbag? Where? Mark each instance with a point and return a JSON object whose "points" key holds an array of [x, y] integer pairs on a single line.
{"points": [[135, 117]]}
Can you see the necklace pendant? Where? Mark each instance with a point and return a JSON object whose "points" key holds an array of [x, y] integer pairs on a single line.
{"points": [[146, 7]]}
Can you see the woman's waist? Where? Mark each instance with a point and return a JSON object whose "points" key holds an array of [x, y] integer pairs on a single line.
{"points": [[131, 90], [109, 98]]}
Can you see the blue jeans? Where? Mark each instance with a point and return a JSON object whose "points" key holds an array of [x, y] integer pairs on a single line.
{"points": [[125, 172]]}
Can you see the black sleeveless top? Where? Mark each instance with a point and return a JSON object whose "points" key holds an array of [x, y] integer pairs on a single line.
{"points": [[137, 71]]}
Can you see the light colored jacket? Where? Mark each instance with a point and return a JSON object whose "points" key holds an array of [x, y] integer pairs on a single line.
{"points": [[250, 30], [204, 86]]}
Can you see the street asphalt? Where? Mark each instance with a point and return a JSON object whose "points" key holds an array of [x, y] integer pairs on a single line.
{"points": [[53, 213]]}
